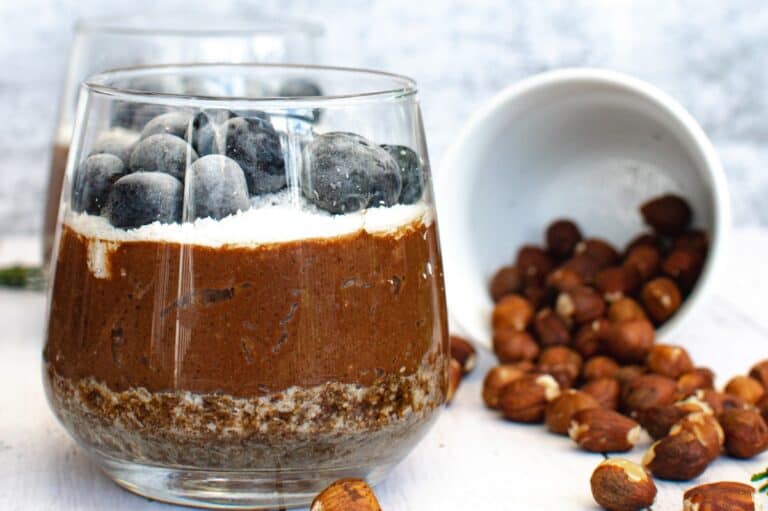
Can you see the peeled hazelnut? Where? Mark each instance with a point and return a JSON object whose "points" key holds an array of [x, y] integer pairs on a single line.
{"points": [[506, 281], [643, 261], [346, 495], [563, 279], [603, 430], [696, 379], [746, 388], [705, 428], [599, 367], [722, 496], [585, 266], [621, 485], [587, 340], [497, 378], [684, 266], [464, 353], [525, 399], [564, 364], [599, 250], [627, 374], [694, 240], [759, 372], [658, 420], [630, 341], [661, 298], [669, 360], [625, 309], [669, 214], [746, 433], [647, 391], [562, 236], [560, 410], [454, 379], [679, 457], [580, 305], [512, 311], [720, 402], [616, 282], [533, 262], [550, 329], [513, 346], [606, 392]]}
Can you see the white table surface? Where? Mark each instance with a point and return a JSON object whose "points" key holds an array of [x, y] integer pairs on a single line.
{"points": [[470, 460]]}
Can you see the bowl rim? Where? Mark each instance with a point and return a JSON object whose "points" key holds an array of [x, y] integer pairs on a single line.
{"points": [[710, 167]]}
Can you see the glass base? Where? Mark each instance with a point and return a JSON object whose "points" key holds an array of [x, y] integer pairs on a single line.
{"points": [[220, 489]]}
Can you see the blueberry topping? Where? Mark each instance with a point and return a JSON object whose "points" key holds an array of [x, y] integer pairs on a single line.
{"points": [[255, 145], [144, 197], [299, 87], [345, 172], [93, 182], [205, 128], [134, 115], [117, 141], [410, 172], [217, 187], [173, 123], [162, 153]]}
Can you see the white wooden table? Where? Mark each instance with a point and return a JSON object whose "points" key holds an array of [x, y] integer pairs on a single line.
{"points": [[470, 460]]}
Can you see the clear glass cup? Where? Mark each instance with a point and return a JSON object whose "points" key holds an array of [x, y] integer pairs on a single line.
{"points": [[247, 295], [108, 43]]}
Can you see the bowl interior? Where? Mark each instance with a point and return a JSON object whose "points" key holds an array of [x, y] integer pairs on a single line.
{"points": [[589, 149]]}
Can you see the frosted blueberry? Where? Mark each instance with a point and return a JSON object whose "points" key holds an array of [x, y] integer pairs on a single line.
{"points": [[93, 182], [299, 87], [144, 197], [410, 172], [255, 145], [205, 128], [162, 153], [217, 187], [117, 141], [173, 123]]}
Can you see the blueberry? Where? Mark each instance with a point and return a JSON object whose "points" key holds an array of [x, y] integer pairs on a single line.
{"points": [[173, 123], [130, 115], [410, 172], [205, 128], [255, 145], [217, 187], [144, 197], [299, 87], [93, 181], [162, 153], [345, 172], [117, 141]]}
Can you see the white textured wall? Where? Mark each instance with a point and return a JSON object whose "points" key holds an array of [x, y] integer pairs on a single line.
{"points": [[710, 54]]}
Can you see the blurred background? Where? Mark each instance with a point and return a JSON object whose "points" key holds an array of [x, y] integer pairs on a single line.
{"points": [[709, 54]]}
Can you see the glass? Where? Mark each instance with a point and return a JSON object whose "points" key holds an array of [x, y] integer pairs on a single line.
{"points": [[108, 43], [253, 306]]}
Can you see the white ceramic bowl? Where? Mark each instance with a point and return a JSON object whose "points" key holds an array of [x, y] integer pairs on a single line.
{"points": [[587, 144]]}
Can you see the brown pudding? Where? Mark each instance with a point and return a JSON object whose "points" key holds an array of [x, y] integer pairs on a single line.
{"points": [[288, 354]]}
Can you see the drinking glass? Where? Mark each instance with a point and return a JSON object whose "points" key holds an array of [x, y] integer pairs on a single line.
{"points": [[108, 43], [247, 297]]}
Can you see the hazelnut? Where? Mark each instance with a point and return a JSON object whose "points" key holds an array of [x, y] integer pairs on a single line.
{"points": [[563, 279], [658, 420], [512, 311], [346, 495], [759, 372], [562, 236], [643, 261], [625, 309], [585, 266], [630, 341], [564, 364], [513, 346], [603, 430], [550, 329], [626, 374], [599, 367], [587, 340], [669, 215], [645, 238], [560, 410], [668, 360], [705, 428], [648, 390], [694, 240], [496, 378], [746, 433], [606, 392], [690, 382], [678, 457], [538, 294], [684, 266], [621, 485], [722, 496], [464, 353], [599, 250], [746, 388], [525, 399], [661, 298], [616, 282], [762, 407], [454, 379], [533, 262], [580, 305], [506, 281], [720, 402]]}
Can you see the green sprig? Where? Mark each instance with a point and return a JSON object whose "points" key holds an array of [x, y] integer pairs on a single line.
{"points": [[27, 277], [759, 477]]}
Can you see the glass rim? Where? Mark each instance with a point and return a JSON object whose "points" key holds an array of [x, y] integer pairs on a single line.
{"points": [[402, 86], [195, 26]]}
